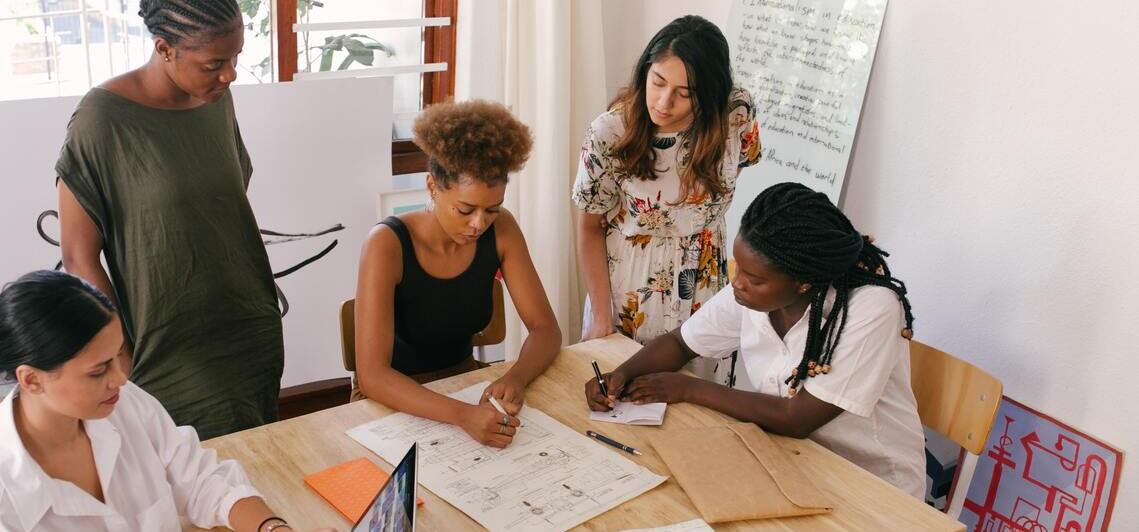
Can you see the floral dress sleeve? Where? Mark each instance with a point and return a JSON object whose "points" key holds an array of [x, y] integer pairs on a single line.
{"points": [[595, 189], [743, 122]]}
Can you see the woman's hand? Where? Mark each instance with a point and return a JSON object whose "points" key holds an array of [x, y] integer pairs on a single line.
{"points": [[614, 384], [665, 387], [509, 391], [489, 427], [598, 327]]}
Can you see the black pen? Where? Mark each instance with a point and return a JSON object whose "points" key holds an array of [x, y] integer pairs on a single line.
{"points": [[597, 371], [605, 439]]}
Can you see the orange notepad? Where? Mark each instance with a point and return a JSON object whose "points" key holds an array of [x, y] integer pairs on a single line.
{"points": [[350, 487]]}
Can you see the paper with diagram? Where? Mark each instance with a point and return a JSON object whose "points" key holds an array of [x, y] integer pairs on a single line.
{"points": [[549, 478]]}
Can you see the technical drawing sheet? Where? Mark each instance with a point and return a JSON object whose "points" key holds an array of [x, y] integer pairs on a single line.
{"points": [[549, 478]]}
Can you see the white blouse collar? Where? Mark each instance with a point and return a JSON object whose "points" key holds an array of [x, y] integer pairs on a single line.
{"points": [[31, 490]]}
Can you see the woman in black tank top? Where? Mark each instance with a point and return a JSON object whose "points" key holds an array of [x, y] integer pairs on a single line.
{"points": [[425, 285]]}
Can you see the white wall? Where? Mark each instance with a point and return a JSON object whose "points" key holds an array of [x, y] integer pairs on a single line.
{"points": [[995, 160]]}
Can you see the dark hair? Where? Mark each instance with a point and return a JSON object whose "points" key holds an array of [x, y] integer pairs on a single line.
{"points": [[477, 138], [175, 20], [805, 236], [704, 51], [47, 317]]}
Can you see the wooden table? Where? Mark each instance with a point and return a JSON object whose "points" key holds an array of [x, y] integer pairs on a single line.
{"points": [[277, 456]]}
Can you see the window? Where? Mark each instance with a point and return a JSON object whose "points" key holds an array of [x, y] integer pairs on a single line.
{"points": [[65, 47], [336, 37]]}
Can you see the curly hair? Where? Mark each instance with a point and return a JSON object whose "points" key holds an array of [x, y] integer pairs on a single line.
{"points": [[477, 139]]}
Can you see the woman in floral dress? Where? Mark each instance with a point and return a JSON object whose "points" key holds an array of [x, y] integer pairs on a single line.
{"points": [[657, 174]]}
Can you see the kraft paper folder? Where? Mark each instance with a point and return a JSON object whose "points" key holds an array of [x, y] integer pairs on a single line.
{"points": [[736, 472], [350, 487]]}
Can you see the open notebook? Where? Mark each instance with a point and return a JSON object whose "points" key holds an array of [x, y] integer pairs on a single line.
{"points": [[633, 414]]}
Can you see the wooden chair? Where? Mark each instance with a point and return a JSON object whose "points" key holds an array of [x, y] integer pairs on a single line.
{"points": [[493, 334], [958, 400]]}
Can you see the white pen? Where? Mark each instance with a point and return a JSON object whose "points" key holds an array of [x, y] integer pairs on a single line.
{"points": [[494, 402]]}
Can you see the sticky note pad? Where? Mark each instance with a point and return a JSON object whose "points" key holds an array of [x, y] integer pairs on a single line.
{"points": [[350, 487]]}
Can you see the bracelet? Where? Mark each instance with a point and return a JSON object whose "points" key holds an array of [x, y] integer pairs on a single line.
{"points": [[273, 526]]}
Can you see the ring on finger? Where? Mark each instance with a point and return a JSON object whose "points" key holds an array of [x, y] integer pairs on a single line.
{"points": [[505, 419]]}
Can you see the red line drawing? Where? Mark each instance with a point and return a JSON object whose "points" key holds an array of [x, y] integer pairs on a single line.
{"points": [[1041, 475]]}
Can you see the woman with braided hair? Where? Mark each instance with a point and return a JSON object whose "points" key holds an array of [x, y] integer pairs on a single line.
{"points": [[822, 329], [153, 176]]}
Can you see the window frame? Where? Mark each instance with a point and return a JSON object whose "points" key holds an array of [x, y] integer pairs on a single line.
{"points": [[438, 47]]}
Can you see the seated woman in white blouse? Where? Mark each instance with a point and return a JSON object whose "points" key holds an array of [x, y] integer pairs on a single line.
{"points": [[822, 332], [83, 449]]}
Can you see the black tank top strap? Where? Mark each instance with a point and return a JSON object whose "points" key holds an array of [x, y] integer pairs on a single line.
{"points": [[486, 255], [408, 249]]}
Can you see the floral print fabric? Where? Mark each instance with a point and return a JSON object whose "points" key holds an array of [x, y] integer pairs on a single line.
{"points": [[665, 259]]}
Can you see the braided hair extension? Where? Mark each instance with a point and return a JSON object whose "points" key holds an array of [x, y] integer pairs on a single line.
{"points": [[176, 20], [805, 236]]}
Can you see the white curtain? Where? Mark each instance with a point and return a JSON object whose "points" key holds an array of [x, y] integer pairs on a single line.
{"points": [[553, 79]]}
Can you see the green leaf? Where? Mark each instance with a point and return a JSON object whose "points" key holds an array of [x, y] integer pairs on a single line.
{"points": [[249, 7], [363, 59], [381, 47]]}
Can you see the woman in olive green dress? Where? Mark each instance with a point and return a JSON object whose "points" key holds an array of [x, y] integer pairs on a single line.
{"points": [[153, 176]]}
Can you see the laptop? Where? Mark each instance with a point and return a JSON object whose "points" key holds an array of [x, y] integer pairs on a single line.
{"points": [[393, 508]]}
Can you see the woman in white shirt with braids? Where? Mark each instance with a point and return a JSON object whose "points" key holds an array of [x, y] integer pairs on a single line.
{"points": [[822, 329], [83, 449]]}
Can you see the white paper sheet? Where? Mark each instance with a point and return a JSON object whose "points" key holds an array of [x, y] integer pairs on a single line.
{"points": [[632, 414], [695, 525], [549, 478]]}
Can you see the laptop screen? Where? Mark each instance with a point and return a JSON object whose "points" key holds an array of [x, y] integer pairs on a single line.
{"points": [[393, 509]]}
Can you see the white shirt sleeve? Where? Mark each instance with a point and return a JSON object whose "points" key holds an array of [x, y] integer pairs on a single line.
{"points": [[204, 488], [714, 330], [866, 353]]}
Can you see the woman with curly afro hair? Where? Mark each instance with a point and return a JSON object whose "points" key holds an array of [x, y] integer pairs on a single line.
{"points": [[426, 277]]}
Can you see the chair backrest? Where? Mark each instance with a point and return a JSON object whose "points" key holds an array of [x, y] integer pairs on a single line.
{"points": [[494, 333], [348, 334], [955, 398]]}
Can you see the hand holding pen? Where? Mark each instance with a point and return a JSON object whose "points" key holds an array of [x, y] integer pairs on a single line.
{"points": [[603, 389]]}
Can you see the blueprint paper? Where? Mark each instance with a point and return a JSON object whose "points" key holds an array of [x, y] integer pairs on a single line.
{"points": [[549, 478]]}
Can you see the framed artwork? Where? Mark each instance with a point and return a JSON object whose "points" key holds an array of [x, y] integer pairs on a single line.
{"points": [[396, 202], [1038, 474]]}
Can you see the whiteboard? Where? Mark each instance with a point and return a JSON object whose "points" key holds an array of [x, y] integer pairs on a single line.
{"points": [[807, 64], [321, 151]]}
